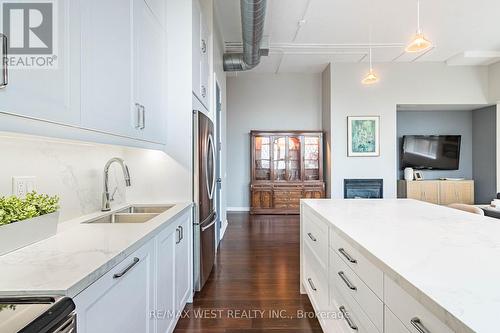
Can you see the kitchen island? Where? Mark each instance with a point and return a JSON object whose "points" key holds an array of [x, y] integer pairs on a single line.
{"points": [[400, 266]]}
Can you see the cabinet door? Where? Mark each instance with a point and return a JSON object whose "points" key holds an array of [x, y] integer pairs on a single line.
{"points": [[312, 158], [165, 293], [121, 300], [427, 191], [107, 66], [457, 192], [262, 197], [149, 73], [262, 158], [205, 62], [313, 192], [196, 48], [182, 263], [47, 92], [294, 161]]}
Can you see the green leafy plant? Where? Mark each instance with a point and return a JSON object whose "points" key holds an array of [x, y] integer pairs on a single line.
{"points": [[14, 209]]}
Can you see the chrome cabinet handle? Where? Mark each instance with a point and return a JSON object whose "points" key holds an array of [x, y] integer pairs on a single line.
{"points": [[346, 281], [129, 267], [417, 323], [4, 59], [178, 234], [203, 46], [182, 232], [347, 256], [313, 287], [312, 237], [138, 113], [143, 117], [348, 319]]}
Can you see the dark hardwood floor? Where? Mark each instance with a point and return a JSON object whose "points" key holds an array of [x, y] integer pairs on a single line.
{"points": [[254, 286]]}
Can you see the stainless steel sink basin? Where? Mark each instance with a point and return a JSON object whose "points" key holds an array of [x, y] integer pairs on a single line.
{"points": [[124, 218], [132, 214], [145, 209]]}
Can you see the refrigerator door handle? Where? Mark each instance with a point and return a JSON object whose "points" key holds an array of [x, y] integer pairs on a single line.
{"points": [[210, 187], [208, 226]]}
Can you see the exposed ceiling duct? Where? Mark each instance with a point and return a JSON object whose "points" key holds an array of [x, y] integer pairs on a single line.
{"points": [[253, 14]]}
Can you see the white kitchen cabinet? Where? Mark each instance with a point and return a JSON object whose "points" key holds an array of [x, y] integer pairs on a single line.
{"points": [[107, 66], [48, 93], [123, 86], [183, 274], [165, 277], [149, 74], [201, 60], [121, 300]]}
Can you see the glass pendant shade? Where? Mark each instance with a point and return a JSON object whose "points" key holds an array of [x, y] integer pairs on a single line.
{"points": [[418, 44], [370, 78]]}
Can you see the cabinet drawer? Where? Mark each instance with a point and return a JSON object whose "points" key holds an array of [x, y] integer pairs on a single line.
{"points": [[409, 311], [315, 234], [356, 320], [315, 281], [364, 269], [392, 323], [346, 280]]}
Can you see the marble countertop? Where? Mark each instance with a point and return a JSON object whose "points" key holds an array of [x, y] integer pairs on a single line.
{"points": [[78, 255], [447, 259]]}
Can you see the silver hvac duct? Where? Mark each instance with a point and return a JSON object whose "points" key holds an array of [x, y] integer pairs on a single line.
{"points": [[253, 14]]}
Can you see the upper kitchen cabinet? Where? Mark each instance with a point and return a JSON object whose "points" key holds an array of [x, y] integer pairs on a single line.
{"points": [[107, 66], [201, 60], [149, 73], [41, 72], [123, 64], [108, 81]]}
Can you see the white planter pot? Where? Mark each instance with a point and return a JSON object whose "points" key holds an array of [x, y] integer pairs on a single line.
{"points": [[19, 234]]}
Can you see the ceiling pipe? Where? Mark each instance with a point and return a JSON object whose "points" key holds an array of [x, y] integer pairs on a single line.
{"points": [[253, 14]]}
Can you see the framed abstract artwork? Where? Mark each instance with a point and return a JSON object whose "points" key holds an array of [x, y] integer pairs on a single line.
{"points": [[363, 136]]}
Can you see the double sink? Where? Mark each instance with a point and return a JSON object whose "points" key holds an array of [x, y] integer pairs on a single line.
{"points": [[132, 214]]}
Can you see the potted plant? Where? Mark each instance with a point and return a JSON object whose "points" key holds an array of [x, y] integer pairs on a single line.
{"points": [[27, 220]]}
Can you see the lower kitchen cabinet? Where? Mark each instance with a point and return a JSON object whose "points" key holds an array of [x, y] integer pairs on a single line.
{"points": [[121, 300], [183, 274], [147, 291]]}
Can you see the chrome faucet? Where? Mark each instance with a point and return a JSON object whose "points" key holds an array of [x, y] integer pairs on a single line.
{"points": [[105, 194]]}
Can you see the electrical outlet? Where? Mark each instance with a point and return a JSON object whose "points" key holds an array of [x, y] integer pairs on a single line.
{"points": [[23, 185]]}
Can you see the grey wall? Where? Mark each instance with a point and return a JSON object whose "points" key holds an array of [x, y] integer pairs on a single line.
{"points": [[400, 83], [265, 102], [326, 122], [484, 153], [440, 123]]}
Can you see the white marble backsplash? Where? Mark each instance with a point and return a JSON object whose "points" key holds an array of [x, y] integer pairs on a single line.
{"points": [[73, 170]]}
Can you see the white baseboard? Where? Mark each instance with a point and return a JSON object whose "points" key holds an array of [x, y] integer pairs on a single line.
{"points": [[223, 230], [238, 209]]}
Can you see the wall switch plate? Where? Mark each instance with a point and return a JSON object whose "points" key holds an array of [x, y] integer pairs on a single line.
{"points": [[23, 185]]}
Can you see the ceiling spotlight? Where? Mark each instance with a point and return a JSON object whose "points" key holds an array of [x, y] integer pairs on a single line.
{"points": [[419, 43]]}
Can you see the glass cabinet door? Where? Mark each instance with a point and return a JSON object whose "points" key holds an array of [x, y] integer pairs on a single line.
{"points": [[262, 158], [279, 158], [293, 159], [311, 157]]}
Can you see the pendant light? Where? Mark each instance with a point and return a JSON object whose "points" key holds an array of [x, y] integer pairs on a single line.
{"points": [[419, 43], [371, 77]]}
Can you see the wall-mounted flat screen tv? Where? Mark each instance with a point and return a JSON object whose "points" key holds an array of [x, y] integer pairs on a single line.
{"points": [[434, 152]]}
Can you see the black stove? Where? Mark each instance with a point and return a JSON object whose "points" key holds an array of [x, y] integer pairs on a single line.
{"points": [[37, 314]]}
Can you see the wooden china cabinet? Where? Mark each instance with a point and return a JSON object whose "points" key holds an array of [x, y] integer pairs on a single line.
{"points": [[286, 166]]}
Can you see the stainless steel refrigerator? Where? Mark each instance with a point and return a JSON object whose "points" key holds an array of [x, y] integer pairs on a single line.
{"points": [[204, 182]]}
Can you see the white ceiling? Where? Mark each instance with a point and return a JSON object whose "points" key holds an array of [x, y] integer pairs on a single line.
{"points": [[465, 32]]}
